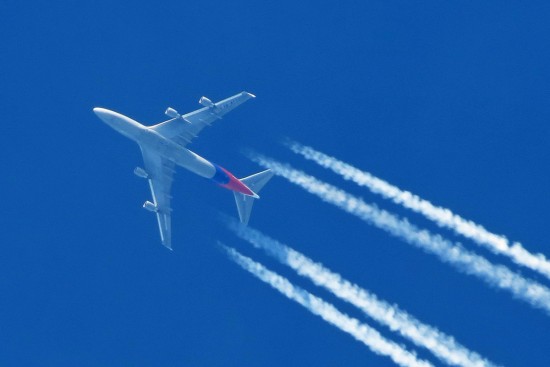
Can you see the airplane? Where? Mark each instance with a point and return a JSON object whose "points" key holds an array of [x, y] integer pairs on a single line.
{"points": [[163, 147]]}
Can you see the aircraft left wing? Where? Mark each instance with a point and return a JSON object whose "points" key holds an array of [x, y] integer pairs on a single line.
{"points": [[184, 128], [160, 172]]}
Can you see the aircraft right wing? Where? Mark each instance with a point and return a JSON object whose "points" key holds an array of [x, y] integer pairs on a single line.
{"points": [[184, 128]]}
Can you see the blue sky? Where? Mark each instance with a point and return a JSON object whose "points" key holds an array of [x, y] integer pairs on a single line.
{"points": [[448, 100]]}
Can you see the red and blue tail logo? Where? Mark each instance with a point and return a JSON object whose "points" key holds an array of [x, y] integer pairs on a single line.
{"points": [[224, 178]]}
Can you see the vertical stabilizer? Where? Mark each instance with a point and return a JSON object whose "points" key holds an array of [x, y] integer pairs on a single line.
{"points": [[255, 183]]}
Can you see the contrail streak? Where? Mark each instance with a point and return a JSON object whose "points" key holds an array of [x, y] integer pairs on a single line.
{"points": [[443, 217], [497, 275], [362, 332], [441, 345]]}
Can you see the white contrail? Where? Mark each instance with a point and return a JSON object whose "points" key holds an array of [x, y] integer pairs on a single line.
{"points": [[499, 276], [443, 217], [362, 332], [441, 345]]}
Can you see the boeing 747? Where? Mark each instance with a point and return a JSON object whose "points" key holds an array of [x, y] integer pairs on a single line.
{"points": [[164, 146]]}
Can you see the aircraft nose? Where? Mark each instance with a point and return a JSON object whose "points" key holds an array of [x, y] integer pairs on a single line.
{"points": [[102, 113]]}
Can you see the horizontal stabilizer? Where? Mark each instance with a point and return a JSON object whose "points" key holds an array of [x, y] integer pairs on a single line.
{"points": [[244, 202]]}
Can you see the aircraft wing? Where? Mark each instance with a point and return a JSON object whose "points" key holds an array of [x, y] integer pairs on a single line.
{"points": [[160, 176], [183, 129]]}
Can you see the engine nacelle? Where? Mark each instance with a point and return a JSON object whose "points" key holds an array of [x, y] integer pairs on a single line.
{"points": [[170, 112], [206, 102], [150, 206], [140, 172]]}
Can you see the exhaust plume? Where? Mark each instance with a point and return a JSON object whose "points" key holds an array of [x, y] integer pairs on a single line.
{"points": [[470, 263], [361, 332], [443, 217], [441, 345]]}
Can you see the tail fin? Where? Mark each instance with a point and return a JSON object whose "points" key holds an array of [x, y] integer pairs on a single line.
{"points": [[255, 183]]}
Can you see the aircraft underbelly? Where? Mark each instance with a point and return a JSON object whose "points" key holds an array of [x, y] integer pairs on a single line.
{"points": [[195, 163], [179, 155]]}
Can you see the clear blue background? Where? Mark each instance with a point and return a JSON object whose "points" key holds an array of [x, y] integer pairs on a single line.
{"points": [[447, 99]]}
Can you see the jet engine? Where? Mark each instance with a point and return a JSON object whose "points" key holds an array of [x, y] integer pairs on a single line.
{"points": [[140, 172], [206, 102], [150, 206], [170, 112]]}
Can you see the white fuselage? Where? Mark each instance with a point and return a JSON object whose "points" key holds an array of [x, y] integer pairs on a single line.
{"points": [[163, 146], [149, 138]]}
